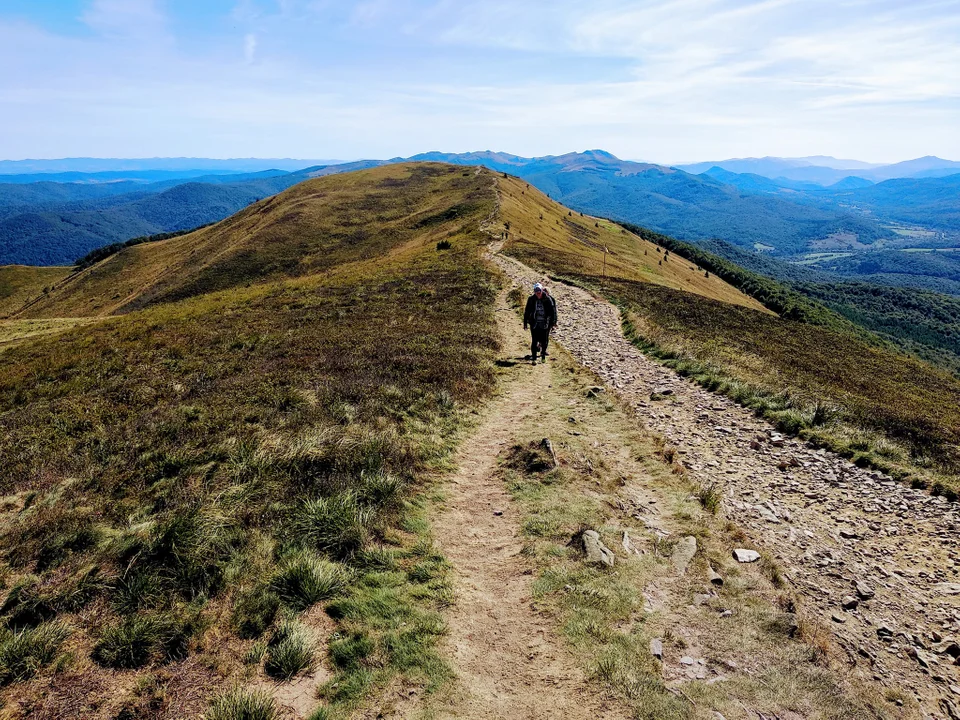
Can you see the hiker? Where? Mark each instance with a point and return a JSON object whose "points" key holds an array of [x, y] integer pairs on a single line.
{"points": [[541, 315]]}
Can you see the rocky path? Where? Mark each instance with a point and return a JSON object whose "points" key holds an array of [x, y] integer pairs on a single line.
{"points": [[509, 664], [875, 559]]}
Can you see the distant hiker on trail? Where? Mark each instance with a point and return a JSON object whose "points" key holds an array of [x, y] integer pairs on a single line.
{"points": [[541, 315]]}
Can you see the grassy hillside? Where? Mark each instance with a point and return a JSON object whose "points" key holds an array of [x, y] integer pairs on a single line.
{"points": [[21, 283], [308, 229], [543, 233], [924, 323], [813, 375], [179, 486]]}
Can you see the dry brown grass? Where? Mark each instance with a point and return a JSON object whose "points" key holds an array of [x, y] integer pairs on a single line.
{"points": [[14, 332], [308, 229], [20, 284]]}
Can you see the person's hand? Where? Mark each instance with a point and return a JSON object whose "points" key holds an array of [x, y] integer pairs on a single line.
{"points": [[524, 326]]}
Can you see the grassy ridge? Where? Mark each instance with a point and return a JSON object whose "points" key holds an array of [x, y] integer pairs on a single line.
{"points": [[311, 228], [182, 482]]}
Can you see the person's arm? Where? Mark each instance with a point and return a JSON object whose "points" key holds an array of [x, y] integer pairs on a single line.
{"points": [[526, 314], [553, 312]]}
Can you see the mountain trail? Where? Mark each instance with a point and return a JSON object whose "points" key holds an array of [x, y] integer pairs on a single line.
{"points": [[509, 663], [875, 560]]}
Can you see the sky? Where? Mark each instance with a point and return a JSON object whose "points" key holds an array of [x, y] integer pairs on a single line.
{"points": [[668, 82]]}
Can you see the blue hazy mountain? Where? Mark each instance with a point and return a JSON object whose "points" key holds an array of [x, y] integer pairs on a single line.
{"points": [[826, 171], [191, 166]]}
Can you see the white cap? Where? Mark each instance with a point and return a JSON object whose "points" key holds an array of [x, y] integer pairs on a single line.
{"points": [[537, 286]]}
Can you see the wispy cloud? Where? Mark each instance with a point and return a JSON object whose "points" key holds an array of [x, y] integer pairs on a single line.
{"points": [[661, 80]]}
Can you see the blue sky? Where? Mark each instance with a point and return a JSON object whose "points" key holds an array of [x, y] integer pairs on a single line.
{"points": [[662, 81]]}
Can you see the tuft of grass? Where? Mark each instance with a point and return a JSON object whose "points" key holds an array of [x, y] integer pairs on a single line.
{"points": [[290, 651], [710, 497], [130, 643], [138, 640], [337, 524], [242, 704], [306, 578], [24, 653]]}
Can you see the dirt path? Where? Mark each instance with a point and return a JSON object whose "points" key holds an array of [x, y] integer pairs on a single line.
{"points": [[508, 661], [830, 524]]}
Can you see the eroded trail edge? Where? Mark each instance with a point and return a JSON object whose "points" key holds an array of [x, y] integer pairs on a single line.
{"points": [[876, 560]]}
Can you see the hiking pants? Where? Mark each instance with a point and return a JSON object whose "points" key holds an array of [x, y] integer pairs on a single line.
{"points": [[539, 337]]}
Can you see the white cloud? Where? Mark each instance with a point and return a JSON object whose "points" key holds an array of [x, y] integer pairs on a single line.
{"points": [[667, 81]]}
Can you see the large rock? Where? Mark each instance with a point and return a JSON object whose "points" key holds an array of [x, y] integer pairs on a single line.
{"points": [[745, 556], [597, 552], [683, 553]]}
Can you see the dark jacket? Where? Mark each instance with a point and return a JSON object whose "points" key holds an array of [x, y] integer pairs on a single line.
{"points": [[549, 305]]}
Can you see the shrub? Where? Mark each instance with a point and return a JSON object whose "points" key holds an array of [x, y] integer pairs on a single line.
{"points": [[24, 653], [242, 704], [306, 579], [291, 650], [443, 245]]}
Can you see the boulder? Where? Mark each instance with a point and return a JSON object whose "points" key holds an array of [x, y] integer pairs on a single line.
{"points": [[597, 552], [742, 555], [656, 648]]}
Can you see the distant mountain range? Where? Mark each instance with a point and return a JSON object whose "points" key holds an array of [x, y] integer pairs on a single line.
{"points": [[48, 223], [128, 167], [825, 171]]}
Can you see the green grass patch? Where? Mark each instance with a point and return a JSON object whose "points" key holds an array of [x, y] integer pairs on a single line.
{"points": [[291, 650], [23, 653]]}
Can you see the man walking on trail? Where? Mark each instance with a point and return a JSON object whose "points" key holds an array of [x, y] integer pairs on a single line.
{"points": [[541, 315]]}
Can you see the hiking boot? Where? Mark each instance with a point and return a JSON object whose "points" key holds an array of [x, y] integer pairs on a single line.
{"points": [[543, 358], [534, 360]]}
